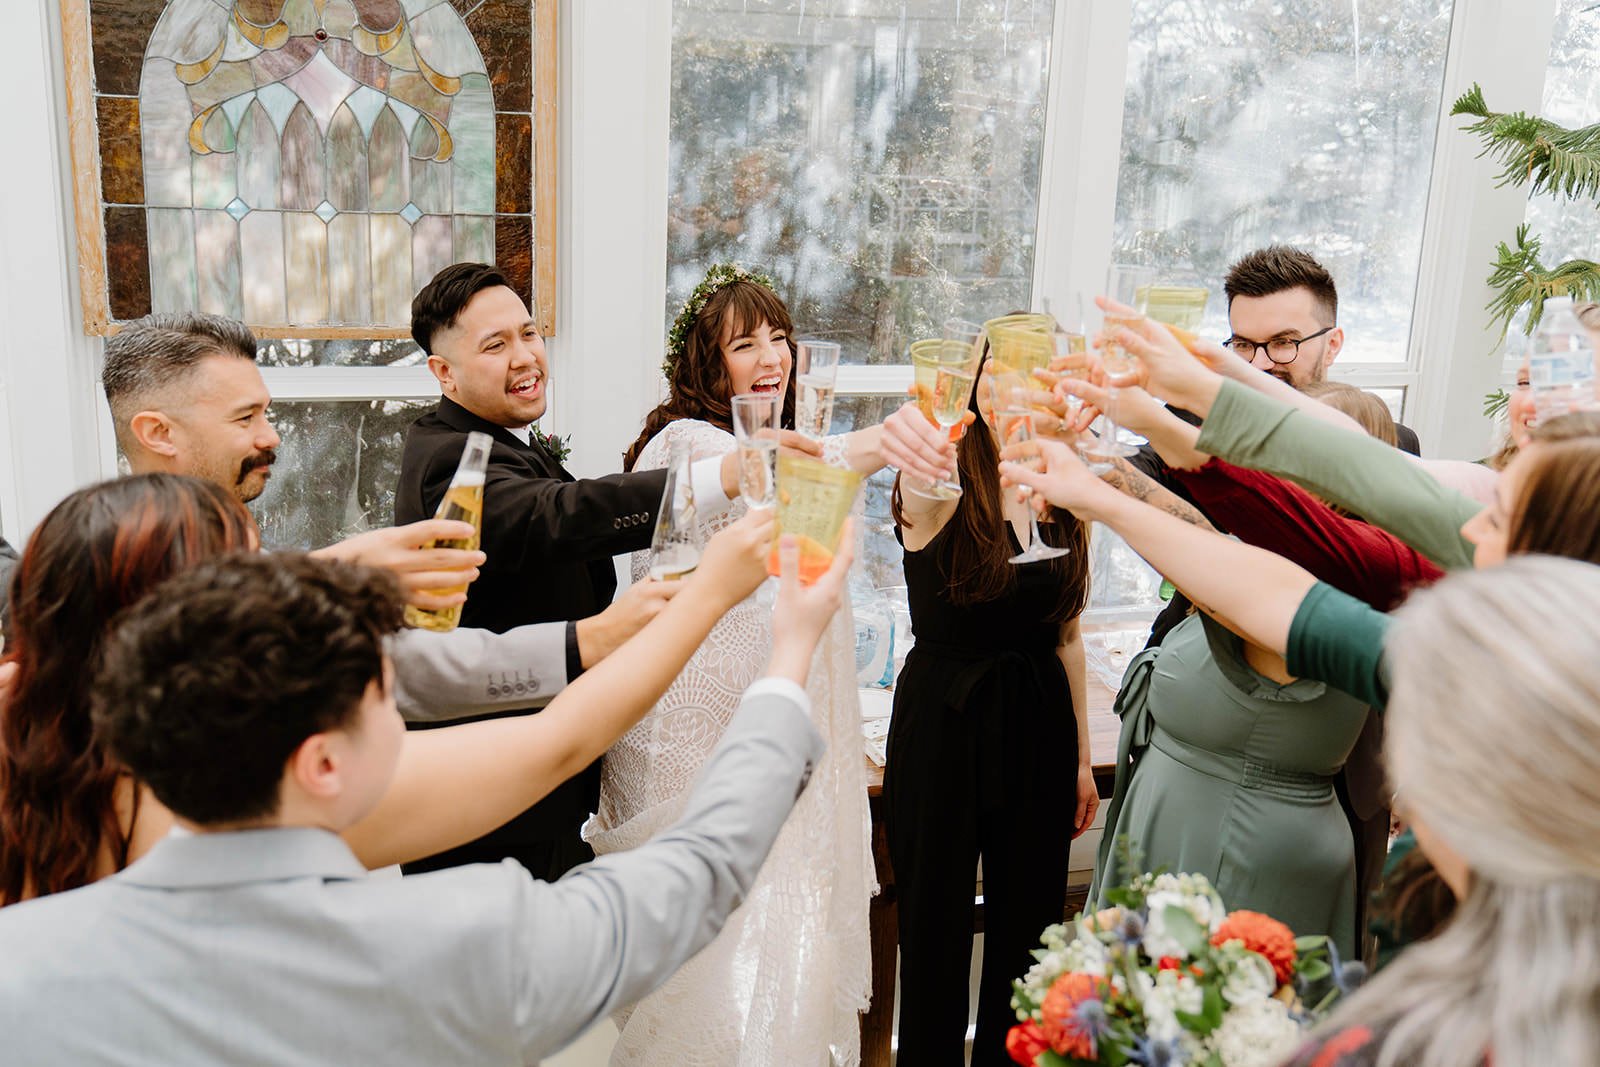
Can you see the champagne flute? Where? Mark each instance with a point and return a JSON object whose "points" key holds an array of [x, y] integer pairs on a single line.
{"points": [[756, 420], [816, 368], [1130, 286], [1015, 424], [944, 373]]}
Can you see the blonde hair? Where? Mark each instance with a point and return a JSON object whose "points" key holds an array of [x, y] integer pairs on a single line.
{"points": [[1494, 727], [1366, 408]]}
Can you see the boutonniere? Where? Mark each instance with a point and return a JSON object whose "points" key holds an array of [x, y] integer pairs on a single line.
{"points": [[557, 446]]}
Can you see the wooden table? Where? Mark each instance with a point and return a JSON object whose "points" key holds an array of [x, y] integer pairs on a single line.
{"points": [[877, 1025]]}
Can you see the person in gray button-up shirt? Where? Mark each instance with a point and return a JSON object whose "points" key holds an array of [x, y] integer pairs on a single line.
{"points": [[260, 939]]}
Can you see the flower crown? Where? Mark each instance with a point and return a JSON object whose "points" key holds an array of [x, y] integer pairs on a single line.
{"points": [[718, 277]]}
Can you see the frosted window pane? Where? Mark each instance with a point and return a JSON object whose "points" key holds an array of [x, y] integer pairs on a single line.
{"points": [[386, 162], [1310, 124], [336, 470], [389, 352], [164, 119], [302, 162], [261, 241], [258, 159], [474, 238], [306, 248], [349, 275], [216, 243], [880, 160], [347, 163], [391, 269], [442, 40], [1569, 229], [430, 249], [172, 284], [472, 129]]}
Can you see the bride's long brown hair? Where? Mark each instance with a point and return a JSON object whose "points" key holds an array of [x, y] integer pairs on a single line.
{"points": [[979, 568], [701, 386]]}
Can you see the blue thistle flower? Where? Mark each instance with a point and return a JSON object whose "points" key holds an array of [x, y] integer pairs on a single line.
{"points": [[1150, 1051]]}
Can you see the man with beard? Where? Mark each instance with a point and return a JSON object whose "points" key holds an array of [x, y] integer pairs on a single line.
{"points": [[187, 398], [1283, 310]]}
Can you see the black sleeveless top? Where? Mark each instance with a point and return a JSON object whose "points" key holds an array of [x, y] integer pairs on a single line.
{"points": [[996, 660]]}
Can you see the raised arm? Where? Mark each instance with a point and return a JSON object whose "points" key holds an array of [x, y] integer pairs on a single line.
{"points": [[457, 783], [1255, 592]]}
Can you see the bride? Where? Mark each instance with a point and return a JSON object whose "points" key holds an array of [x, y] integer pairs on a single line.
{"points": [[785, 980]]}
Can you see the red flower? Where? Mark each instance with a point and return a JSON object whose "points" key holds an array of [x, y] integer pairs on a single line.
{"points": [[1060, 1010], [1168, 963], [1339, 1045], [1024, 1043], [1263, 934]]}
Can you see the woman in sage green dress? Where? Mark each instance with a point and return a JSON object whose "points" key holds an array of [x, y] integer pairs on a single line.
{"points": [[1224, 772]]}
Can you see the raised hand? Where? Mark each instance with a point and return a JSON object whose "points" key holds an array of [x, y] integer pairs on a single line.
{"points": [[1063, 482], [1182, 372], [431, 578], [602, 634], [803, 612], [916, 446], [735, 560]]}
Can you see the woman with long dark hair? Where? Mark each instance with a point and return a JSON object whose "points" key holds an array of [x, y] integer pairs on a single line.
{"points": [[70, 815], [988, 750]]}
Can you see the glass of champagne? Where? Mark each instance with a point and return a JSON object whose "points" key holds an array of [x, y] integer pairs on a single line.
{"points": [[816, 367], [675, 546], [1130, 286], [1015, 425], [944, 372], [756, 420]]}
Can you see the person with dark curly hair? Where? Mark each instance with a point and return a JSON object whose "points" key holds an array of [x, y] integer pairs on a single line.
{"points": [[251, 693]]}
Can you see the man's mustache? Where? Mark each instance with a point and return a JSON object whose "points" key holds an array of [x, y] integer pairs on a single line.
{"points": [[260, 459]]}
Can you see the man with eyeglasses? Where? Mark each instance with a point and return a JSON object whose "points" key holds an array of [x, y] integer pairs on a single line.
{"points": [[1283, 312]]}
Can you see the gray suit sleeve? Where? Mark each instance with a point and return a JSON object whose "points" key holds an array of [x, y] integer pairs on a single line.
{"points": [[613, 930], [442, 676]]}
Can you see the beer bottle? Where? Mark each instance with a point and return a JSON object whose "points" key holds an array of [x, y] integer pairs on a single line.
{"points": [[463, 501]]}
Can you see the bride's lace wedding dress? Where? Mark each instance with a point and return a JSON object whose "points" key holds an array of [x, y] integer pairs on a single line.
{"points": [[785, 980]]}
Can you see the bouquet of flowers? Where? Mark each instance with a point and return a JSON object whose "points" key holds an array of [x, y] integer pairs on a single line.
{"points": [[1168, 977]]}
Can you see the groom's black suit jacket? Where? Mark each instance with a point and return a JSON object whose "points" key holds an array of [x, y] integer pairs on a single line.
{"points": [[549, 539]]}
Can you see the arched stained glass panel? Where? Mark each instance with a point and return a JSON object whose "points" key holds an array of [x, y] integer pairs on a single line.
{"points": [[308, 157]]}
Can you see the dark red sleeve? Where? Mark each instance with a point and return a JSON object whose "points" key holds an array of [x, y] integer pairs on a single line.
{"points": [[1348, 554]]}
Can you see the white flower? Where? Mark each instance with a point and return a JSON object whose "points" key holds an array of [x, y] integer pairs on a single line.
{"points": [[1259, 1033], [1249, 978], [1162, 997], [1087, 955], [1204, 908]]}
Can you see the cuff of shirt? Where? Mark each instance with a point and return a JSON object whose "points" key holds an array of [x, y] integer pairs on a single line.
{"points": [[574, 654], [781, 687], [705, 477]]}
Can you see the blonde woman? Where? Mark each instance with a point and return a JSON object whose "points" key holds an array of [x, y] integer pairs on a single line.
{"points": [[1494, 731]]}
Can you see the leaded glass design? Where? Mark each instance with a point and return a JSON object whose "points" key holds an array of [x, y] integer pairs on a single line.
{"points": [[307, 164]]}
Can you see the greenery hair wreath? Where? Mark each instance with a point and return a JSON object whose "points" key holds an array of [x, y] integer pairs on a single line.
{"points": [[720, 276]]}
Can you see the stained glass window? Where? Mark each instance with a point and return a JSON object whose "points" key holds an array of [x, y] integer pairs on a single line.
{"points": [[305, 165]]}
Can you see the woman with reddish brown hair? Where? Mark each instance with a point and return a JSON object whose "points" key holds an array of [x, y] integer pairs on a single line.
{"points": [[69, 815], [988, 743]]}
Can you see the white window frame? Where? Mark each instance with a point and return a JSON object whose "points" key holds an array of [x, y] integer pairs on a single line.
{"points": [[612, 239]]}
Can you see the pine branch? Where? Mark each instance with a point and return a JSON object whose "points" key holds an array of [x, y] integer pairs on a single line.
{"points": [[1550, 158], [1519, 280]]}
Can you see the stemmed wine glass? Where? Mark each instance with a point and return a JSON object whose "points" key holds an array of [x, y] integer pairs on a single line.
{"points": [[1015, 424], [1130, 286]]}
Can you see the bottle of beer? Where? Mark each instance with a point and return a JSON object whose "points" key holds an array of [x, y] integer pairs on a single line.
{"points": [[463, 501]]}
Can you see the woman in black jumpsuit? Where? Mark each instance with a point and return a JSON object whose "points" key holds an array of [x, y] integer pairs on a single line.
{"points": [[987, 753]]}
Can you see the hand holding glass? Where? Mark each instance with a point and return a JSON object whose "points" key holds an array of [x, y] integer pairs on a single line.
{"points": [[1129, 286], [1015, 423]]}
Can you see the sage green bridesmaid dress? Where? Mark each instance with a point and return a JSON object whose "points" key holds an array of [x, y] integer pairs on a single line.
{"points": [[1225, 773]]}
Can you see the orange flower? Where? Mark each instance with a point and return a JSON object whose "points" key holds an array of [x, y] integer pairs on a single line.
{"points": [[1025, 1041], [1062, 1026], [1263, 934]]}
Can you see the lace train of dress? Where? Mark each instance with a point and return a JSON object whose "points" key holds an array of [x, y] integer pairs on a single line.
{"points": [[785, 980]]}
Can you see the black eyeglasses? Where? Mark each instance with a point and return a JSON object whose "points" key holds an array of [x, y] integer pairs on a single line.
{"points": [[1279, 349]]}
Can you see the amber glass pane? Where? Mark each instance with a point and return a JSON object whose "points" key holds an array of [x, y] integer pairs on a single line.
{"points": [[121, 164]]}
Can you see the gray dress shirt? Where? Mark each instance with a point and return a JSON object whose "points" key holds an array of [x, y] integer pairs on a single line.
{"points": [[275, 947]]}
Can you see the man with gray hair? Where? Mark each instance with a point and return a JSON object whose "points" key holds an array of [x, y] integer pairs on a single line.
{"points": [[187, 398]]}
